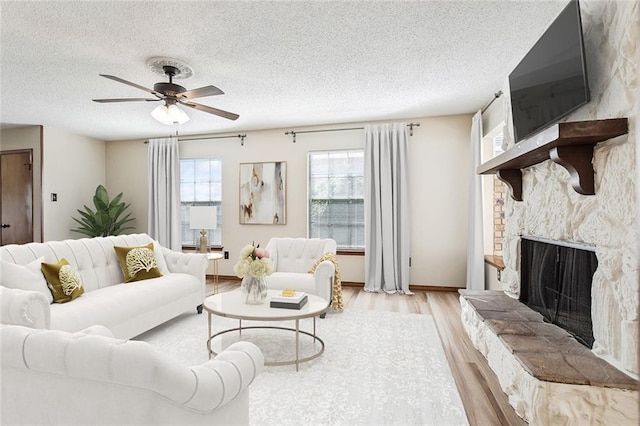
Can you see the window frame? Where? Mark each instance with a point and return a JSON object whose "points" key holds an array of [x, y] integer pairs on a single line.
{"points": [[346, 250], [213, 244]]}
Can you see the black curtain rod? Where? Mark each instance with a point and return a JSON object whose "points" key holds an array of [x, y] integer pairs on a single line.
{"points": [[291, 132], [241, 137], [294, 133], [495, 96]]}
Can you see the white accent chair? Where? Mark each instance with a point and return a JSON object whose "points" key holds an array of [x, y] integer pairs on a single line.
{"points": [[293, 258], [89, 377]]}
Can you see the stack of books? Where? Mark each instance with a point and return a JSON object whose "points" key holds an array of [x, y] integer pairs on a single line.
{"points": [[289, 299]]}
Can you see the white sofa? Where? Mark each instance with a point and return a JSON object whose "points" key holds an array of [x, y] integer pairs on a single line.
{"points": [[58, 378], [127, 310], [292, 259]]}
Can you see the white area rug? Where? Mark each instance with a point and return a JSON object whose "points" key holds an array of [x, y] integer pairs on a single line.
{"points": [[378, 368]]}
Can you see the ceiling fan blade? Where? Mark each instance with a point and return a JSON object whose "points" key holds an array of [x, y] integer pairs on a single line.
{"points": [[126, 100], [200, 92], [211, 110], [137, 86]]}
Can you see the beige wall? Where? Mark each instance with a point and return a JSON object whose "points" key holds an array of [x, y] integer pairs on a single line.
{"points": [[28, 138], [439, 185], [439, 160], [126, 172], [73, 166], [491, 277]]}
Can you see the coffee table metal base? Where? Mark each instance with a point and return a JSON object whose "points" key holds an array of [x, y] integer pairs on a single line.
{"points": [[296, 330]]}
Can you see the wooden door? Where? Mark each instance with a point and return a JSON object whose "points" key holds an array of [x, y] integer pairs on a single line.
{"points": [[16, 197]]}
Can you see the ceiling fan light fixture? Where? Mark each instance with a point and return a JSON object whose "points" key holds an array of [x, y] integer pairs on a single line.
{"points": [[177, 115], [169, 114]]}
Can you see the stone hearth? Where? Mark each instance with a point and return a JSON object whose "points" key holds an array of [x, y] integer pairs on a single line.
{"points": [[549, 376]]}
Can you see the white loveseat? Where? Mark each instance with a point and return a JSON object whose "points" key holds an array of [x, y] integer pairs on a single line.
{"points": [[292, 259], [58, 378], [127, 310]]}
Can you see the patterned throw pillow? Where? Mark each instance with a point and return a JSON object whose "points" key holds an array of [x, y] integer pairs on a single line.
{"points": [[63, 281], [138, 263]]}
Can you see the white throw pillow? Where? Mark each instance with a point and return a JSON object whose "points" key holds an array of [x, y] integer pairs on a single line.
{"points": [[162, 264], [25, 277]]}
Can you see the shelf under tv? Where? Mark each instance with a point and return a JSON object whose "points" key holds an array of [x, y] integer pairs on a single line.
{"points": [[568, 144]]}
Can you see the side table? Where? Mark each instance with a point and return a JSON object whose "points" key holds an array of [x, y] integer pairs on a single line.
{"points": [[214, 257]]}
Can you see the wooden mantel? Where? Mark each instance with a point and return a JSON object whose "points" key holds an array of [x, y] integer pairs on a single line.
{"points": [[568, 144]]}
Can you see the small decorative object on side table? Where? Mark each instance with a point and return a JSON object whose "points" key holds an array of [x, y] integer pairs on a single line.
{"points": [[253, 265]]}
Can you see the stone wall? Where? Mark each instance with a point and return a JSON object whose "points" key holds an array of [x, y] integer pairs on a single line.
{"points": [[608, 221]]}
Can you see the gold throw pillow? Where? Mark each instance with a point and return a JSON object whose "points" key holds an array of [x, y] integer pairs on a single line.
{"points": [[138, 263], [63, 281]]}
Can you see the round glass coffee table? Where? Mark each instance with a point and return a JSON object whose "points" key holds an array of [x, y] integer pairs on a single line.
{"points": [[231, 305]]}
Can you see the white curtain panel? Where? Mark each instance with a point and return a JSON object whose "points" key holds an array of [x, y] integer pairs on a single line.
{"points": [[475, 248], [386, 208], [164, 192]]}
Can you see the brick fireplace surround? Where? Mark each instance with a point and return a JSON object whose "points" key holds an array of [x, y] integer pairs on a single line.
{"points": [[603, 388]]}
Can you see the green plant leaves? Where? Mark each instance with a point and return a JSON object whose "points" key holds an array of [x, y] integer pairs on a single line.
{"points": [[106, 219]]}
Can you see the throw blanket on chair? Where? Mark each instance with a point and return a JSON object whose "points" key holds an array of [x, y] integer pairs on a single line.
{"points": [[336, 299]]}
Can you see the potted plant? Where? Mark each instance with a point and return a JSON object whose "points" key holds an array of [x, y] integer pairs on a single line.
{"points": [[106, 219]]}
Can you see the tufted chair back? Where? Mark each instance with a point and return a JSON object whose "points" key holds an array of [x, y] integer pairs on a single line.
{"points": [[93, 258], [298, 254], [89, 377]]}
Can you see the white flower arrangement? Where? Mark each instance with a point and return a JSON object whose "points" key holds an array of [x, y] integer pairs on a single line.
{"points": [[254, 262]]}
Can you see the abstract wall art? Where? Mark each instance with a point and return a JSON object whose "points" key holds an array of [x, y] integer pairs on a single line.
{"points": [[263, 193]]}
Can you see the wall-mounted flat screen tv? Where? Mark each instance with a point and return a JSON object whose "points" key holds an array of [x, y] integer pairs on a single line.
{"points": [[551, 80]]}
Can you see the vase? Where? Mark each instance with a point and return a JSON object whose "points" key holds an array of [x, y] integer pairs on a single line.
{"points": [[254, 290]]}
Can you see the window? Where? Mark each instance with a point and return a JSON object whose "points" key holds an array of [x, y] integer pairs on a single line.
{"points": [[497, 144], [200, 185], [336, 197]]}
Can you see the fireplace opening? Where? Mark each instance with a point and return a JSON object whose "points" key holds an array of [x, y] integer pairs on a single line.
{"points": [[556, 282]]}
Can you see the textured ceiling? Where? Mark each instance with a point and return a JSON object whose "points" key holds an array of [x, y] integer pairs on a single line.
{"points": [[280, 64]]}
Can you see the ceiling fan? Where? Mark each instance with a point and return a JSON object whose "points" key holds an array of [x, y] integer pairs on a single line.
{"points": [[172, 94]]}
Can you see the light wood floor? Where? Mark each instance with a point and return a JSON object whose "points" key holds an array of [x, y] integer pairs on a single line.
{"points": [[484, 401]]}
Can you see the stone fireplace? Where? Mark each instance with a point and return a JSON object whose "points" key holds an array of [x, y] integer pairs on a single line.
{"points": [[607, 222]]}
